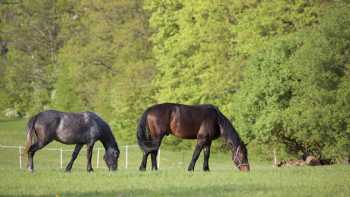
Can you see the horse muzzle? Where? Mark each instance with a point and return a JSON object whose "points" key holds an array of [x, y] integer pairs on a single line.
{"points": [[113, 168], [244, 168]]}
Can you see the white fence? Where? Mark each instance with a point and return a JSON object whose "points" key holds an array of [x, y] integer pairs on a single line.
{"points": [[124, 150]]}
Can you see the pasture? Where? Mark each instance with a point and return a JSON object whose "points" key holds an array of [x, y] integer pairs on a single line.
{"points": [[171, 180]]}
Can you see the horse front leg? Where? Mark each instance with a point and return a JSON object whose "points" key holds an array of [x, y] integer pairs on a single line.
{"points": [[206, 157], [89, 156], [195, 156], [144, 161], [154, 160], [74, 156]]}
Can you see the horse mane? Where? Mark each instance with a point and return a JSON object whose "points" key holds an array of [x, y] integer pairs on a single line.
{"points": [[108, 136], [227, 129]]}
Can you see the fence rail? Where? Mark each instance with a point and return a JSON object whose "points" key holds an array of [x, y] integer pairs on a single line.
{"points": [[56, 157], [61, 151]]}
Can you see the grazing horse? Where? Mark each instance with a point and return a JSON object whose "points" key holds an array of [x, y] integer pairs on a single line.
{"points": [[202, 122], [71, 128]]}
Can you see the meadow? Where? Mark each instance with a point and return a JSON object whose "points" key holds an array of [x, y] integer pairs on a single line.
{"points": [[171, 180]]}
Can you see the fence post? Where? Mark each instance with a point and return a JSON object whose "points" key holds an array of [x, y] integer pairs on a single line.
{"points": [[158, 160], [126, 156], [20, 157], [98, 158], [61, 156]]}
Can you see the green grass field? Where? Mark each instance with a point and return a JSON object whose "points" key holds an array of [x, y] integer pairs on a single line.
{"points": [[171, 180]]}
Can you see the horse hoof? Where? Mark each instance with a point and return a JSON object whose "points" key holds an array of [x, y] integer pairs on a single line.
{"points": [[30, 169], [190, 169], [142, 169], [90, 170], [68, 170]]}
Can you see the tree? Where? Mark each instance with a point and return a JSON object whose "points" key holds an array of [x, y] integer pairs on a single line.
{"points": [[31, 30], [108, 61], [288, 94]]}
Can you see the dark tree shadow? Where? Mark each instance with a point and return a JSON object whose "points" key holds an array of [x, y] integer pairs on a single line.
{"points": [[212, 190]]}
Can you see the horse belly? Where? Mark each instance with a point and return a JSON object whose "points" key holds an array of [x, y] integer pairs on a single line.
{"points": [[182, 130], [184, 134], [68, 136]]}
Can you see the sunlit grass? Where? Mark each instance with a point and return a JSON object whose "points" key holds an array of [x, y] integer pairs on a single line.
{"points": [[306, 181], [171, 180]]}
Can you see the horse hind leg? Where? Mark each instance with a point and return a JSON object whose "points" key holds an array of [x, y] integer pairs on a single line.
{"points": [[154, 151], [74, 156], [89, 157], [31, 152], [206, 157]]}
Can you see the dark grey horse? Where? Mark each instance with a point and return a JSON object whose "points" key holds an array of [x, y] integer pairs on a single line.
{"points": [[71, 128]]}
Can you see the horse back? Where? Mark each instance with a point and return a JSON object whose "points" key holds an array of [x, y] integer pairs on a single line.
{"points": [[183, 121], [67, 128]]}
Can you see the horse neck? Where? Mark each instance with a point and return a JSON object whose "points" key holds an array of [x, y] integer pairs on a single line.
{"points": [[108, 141], [230, 134]]}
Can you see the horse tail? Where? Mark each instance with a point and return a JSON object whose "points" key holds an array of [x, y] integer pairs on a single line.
{"points": [[143, 138], [30, 131]]}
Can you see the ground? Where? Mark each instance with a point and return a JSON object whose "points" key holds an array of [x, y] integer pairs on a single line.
{"points": [[171, 180]]}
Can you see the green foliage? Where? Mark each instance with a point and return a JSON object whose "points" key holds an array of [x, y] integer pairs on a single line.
{"points": [[259, 22], [289, 93], [31, 30], [192, 47], [105, 66], [280, 69], [65, 98]]}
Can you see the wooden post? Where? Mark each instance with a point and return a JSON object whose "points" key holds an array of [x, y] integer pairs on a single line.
{"points": [[61, 158], [158, 160], [98, 158], [20, 157]]}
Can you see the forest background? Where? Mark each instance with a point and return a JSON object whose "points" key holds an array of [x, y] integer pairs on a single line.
{"points": [[280, 69]]}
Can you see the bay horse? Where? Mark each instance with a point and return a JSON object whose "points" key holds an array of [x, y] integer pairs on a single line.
{"points": [[202, 122], [71, 128]]}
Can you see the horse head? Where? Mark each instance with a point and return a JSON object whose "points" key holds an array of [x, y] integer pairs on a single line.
{"points": [[240, 157], [111, 158]]}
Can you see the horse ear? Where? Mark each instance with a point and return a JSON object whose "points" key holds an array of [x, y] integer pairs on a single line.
{"points": [[246, 144]]}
